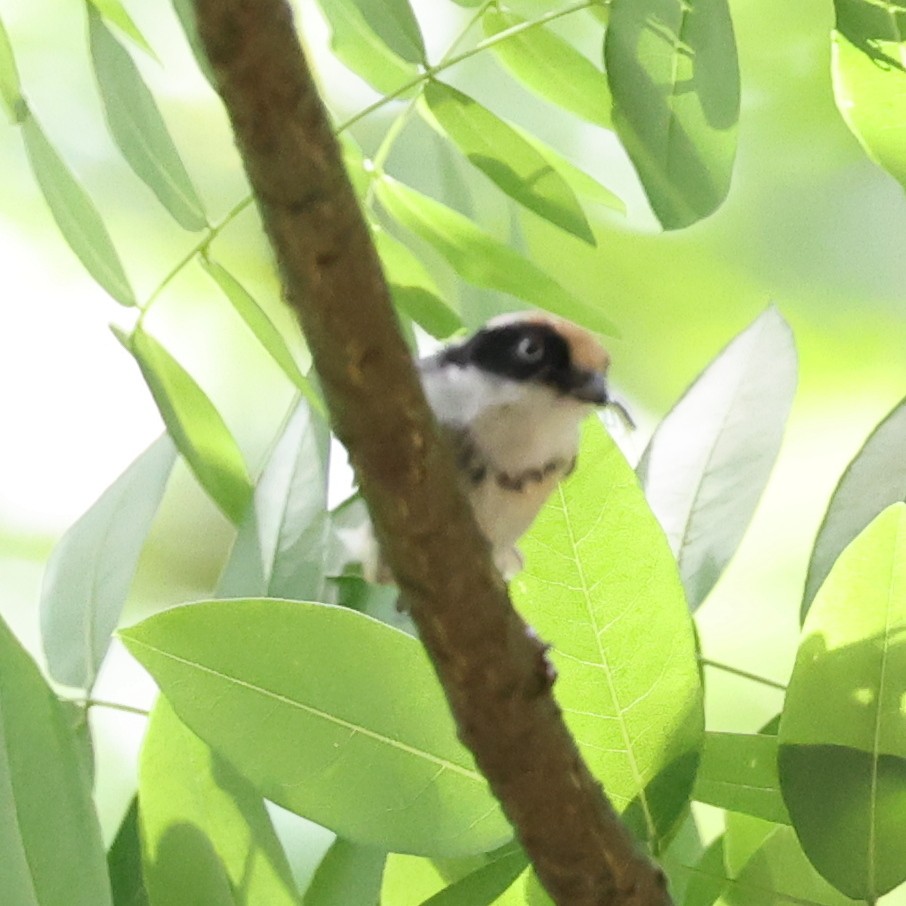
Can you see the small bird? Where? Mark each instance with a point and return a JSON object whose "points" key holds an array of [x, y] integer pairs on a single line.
{"points": [[511, 399]]}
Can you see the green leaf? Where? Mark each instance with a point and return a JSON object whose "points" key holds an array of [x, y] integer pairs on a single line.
{"points": [[304, 700], [185, 12], [395, 24], [501, 153], [709, 459], [206, 835], [76, 215], [348, 873], [52, 854], [551, 67], [842, 735], [874, 479], [90, 571], [707, 877], [414, 290], [76, 714], [779, 873], [281, 547], [138, 128], [738, 772], [124, 862], [582, 183], [675, 80], [601, 584], [354, 42], [869, 73], [115, 13], [481, 259], [485, 885], [263, 328], [197, 428], [10, 87]]}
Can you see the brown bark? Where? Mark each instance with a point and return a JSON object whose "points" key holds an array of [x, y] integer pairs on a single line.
{"points": [[493, 670]]}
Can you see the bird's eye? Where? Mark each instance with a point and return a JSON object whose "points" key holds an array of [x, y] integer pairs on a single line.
{"points": [[530, 350]]}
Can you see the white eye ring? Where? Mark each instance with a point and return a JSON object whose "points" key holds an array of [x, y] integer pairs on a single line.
{"points": [[530, 350]]}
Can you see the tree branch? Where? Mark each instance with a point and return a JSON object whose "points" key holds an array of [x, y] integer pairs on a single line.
{"points": [[494, 671]]}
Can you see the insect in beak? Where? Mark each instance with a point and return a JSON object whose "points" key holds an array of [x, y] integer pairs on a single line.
{"points": [[621, 410]]}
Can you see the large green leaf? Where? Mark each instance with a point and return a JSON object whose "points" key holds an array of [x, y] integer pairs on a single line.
{"points": [[115, 13], [709, 459], [395, 24], [75, 214], [738, 772], [485, 885], [355, 43], [842, 734], [414, 290], [550, 67], [264, 329], [10, 88], [601, 585], [348, 873], [674, 75], [869, 71], [90, 571], [874, 479], [139, 129], [505, 157], [197, 428], [480, 258], [124, 862], [206, 835], [281, 547], [330, 714], [51, 852]]}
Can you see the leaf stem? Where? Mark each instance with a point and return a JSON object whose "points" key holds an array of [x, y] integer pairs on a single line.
{"points": [[88, 703], [744, 674]]}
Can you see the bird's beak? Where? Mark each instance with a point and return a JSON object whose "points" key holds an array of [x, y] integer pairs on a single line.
{"points": [[591, 388]]}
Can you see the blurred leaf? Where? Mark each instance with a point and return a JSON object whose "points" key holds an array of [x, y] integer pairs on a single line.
{"points": [[185, 12], [90, 570], [206, 835], [709, 459], [869, 71], [684, 849], [264, 329], [304, 700], [413, 288], [707, 878], [842, 735], [281, 547], [485, 885], [674, 75], [76, 215], [124, 862], [582, 183], [395, 24], [50, 841], [115, 13], [738, 772], [138, 128], [601, 584], [196, 427], [509, 161], [779, 873], [348, 874], [551, 67], [874, 479], [354, 42], [10, 87], [480, 258], [743, 837]]}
